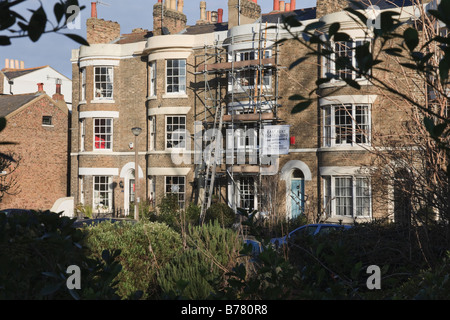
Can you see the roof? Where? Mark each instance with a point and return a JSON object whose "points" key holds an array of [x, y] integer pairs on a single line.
{"points": [[15, 73], [136, 36], [206, 28], [383, 4], [301, 14], [11, 103]]}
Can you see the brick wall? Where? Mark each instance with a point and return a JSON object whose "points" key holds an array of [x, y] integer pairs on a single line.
{"points": [[101, 31], [173, 20], [42, 172], [250, 12]]}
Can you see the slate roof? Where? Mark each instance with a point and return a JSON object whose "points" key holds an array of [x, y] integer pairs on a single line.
{"points": [[15, 73], [11, 103]]}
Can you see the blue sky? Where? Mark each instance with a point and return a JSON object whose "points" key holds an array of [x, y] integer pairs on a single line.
{"points": [[55, 50]]}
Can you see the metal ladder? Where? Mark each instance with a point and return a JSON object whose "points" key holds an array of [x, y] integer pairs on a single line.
{"points": [[211, 166]]}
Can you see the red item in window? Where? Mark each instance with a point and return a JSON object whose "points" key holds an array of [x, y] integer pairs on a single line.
{"points": [[99, 143]]}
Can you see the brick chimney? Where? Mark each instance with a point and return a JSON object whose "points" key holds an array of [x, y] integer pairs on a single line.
{"points": [[250, 11], [58, 96], [40, 89], [99, 30], [167, 18]]}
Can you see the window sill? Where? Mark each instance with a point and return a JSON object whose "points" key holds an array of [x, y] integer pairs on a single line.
{"points": [[175, 96], [346, 148], [82, 102], [342, 83], [103, 101], [152, 98]]}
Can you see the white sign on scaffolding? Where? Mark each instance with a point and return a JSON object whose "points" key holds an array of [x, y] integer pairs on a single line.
{"points": [[276, 140]]}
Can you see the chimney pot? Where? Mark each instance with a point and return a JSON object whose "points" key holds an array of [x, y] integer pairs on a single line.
{"points": [[220, 15], [208, 16], [40, 87], [202, 10], [282, 6], [180, 5], [94, 10], [276, 5], [292, 5], [287, 7], [17, 64], [6, 63], [22, 65]]}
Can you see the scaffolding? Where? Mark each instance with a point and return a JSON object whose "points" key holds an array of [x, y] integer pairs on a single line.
{"points": [[250, 100]]}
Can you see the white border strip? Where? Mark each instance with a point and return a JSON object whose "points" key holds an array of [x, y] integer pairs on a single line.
{"points": [[98, 171], [99, 114]]}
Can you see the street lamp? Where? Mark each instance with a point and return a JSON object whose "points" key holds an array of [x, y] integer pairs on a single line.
{"points": [[136, 131]]}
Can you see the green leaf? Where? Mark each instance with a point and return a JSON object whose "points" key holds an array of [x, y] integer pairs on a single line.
{"points": [[77, 39], [37, 24], [411, 37], [58, 10]]}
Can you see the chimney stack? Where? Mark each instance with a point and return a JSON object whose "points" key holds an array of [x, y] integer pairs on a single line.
{"points": [[94, 10], [40, 87], [58, 96], [242, 12], [276, 5], [202, 10]]}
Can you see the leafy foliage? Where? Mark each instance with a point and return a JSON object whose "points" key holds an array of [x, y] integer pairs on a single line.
{"points": [[144, 248], [38, 24]]}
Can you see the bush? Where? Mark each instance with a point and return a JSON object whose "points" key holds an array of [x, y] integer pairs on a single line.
{"points": [[212, 253], [222, 213], [36, 249], [145, 247]]}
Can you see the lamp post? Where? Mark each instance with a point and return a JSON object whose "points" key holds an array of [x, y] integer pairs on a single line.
{"points": [[136, 131]]}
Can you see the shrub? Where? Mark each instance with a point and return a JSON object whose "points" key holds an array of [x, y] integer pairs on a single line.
{"points": [[212, 253], [144, 246], [36, 249], [222, 213]]}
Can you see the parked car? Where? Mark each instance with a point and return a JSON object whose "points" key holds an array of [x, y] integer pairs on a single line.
{"points": [[90, 222], [9, 212], [257, 247], [309, 229]]}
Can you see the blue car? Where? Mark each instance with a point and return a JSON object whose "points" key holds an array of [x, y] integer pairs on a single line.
{"points": [[309, 229]]}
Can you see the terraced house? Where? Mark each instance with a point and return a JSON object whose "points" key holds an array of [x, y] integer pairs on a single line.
{"points": [[226, 84]]}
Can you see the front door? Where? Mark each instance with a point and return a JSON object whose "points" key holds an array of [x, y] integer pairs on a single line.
{"points": [[297, 197]]}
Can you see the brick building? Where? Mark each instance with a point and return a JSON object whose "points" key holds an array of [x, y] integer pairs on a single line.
{"points": [[38, 124], [177, 82]]}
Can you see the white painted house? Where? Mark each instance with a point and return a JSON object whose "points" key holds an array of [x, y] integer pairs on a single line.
{"points": [[15, 79]]}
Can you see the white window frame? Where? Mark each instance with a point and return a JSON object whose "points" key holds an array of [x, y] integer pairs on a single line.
{"points": [[153, 73], [167, 132], [242, 191], [99, 91], [330, 127], [330, 198], [111, 134], [329, 62], [182, 83], [238, 56], [97, 194], [181, 202]]}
